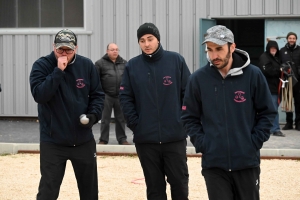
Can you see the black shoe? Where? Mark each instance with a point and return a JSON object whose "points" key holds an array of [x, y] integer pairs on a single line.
{"points": [[287, 126], [297, 127], [279, 133]]}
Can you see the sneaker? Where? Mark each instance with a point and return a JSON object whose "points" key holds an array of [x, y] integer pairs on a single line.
{"points": [[279, 133], [125, 143], [287, 126], [101, 142]]}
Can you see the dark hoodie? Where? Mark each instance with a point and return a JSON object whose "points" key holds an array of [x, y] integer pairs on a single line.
{"points": [[270, 66], [228, 119], [151, 96]]}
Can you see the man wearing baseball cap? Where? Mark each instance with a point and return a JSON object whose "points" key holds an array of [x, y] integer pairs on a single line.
{"points": [[228, 113], [151, 95], [66, 85]]}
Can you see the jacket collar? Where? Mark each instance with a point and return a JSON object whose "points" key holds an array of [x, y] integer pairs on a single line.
{"points": [[241, 60], [119, 59], [156, 55]]}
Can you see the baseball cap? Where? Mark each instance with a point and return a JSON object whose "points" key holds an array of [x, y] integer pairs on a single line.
{"points": [[65, 38], [219, 35]]}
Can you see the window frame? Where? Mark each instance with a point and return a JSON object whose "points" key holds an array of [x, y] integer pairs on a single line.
{"points": [[86, 29]]}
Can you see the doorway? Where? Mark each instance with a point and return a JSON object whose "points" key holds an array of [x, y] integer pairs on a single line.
{"points": [[248, 35]]}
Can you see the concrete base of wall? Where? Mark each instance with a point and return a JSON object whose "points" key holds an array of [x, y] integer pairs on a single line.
{"points": [[13, 148]]}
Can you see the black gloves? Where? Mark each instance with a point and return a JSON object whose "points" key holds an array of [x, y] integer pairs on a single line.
{"points": [[93, 120]]}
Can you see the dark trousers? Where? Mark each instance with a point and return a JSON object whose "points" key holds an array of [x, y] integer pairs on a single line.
{"points": [[234, 185], [289, 115], [109, 104], [53, 160], [164, 160]]}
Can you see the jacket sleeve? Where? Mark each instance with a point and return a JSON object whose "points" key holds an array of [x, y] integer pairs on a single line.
{"points": [[266, 112], [44, 83], [265, 65], [190, 116], [127, 100], [185, 73], [96, 94], [98, 66]]}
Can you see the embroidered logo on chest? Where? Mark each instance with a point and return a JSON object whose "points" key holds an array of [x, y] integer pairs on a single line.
{"points": [[80, 83], [167, 80], [238, 97]]}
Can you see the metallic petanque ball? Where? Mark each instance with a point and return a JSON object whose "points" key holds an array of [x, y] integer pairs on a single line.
{"points": [[84, 119]]}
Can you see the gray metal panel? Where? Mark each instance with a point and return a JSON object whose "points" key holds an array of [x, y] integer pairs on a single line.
{"points": [[188, 33], [146, 11], [45, 44], [117, 21], [97, 44], [121, 21], [1, 74], [162, 21], [19, 68], [109, 33], [133, 48], [173, 27], [256, 7], [215, 7], [284, 7], [271, 7], [228, 7], [33, 55], [8, 77], [296, 7], [83, 45], [242, 7]]}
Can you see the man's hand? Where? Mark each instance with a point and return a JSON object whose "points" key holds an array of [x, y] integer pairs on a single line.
{"points": [[92, 120], [62, 62]]}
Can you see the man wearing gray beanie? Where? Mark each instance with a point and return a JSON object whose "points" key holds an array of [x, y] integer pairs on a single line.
{"points": [[151, 95]]}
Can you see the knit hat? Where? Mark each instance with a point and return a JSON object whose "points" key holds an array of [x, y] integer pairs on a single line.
{"points": [[219, 35], [148, 28], [65, 38], [291, 33]]}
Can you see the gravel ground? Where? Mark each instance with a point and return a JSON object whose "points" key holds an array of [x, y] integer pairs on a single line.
{"points": [[121, 178]]}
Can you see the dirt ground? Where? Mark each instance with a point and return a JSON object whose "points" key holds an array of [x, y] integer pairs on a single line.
{"points": [[121, 178]]}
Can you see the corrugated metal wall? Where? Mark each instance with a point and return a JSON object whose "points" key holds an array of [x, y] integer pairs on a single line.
{"points": [[117, 21]]}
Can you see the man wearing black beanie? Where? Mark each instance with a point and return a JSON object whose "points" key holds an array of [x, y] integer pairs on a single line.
{"points": [[151, 95], [291, 52]]}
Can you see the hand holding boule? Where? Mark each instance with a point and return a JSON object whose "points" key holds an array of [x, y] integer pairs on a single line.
{"points": [[84, 119]]}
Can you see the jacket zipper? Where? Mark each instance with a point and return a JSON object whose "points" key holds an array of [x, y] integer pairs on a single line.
{"points": [[117, 76], [155, 88], [228, 144], [73, 131]]}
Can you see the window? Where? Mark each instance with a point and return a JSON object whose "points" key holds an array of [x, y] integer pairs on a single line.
{"points": [[41, 13]]}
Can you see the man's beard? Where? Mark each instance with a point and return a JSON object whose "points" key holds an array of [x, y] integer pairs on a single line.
{"points": [[225, 61]]}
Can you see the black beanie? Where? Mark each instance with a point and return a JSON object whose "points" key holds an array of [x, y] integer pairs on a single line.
{"points": [[291, 33], [148, 28]]}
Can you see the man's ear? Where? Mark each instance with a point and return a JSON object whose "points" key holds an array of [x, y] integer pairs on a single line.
{"points": [[232, 47]]}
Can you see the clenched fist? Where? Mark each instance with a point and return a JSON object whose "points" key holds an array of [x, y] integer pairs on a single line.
{"points": [[62, 62]]}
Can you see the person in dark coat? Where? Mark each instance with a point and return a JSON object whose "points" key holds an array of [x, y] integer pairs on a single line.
{"points": [[151, 96], [111, 68], [66, 86], [228, 113], [270, 65], [291, 52]]}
